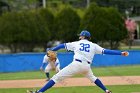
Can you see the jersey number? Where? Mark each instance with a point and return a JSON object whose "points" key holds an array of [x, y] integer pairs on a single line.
{"points": [[84, 47]]}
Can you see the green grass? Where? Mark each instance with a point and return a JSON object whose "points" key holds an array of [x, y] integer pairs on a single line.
{"points": [[127, 47], [87, 89], [22, 75], [132, 70]]}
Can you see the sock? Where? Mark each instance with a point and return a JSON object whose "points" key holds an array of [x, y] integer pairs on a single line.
{"points": [[47, 86], [99, 84], [47, 75]]}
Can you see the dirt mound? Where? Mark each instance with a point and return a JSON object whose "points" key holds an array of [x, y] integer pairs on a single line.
{"points": [[111, 80]]}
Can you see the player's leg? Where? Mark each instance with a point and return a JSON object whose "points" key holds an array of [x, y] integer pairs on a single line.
{"points": [[66, 72], [47, 71], [97, 81], [57, 68]]}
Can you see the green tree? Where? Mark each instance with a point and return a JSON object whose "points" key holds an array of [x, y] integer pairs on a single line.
{"points": [[2, 6], [116, 28], [67, 24], [7, 31], [105, 25], [37, 28], [48, 18], [23, 31], [94, 21], [19, 5]]}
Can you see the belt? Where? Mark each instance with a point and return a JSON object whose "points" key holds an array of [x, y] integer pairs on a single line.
{"points": [[81, 61]]}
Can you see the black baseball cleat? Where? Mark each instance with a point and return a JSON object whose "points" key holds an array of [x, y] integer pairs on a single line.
{"points": [[47, 79]]}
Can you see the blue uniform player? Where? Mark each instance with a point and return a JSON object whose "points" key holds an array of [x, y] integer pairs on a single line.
{"points": [[52, 63], [84, 51]]}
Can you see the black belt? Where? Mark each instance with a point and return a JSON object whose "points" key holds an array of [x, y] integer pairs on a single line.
{"points": [[81, 61]]}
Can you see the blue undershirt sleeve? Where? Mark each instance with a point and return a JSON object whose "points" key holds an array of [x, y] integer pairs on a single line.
{"points": [[111, 52], [58, 47]]}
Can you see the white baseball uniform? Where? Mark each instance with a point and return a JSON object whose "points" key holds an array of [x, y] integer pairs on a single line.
{"points": [[84, 52], [51, 65]]}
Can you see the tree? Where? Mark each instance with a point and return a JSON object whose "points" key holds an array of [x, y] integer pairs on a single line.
{"points": [[38, 30], [116, 28], [67, 24], [105, 24], [48, 18], [5, 5], [23, 31], [94, 21], [19, 5], [7, 30]]}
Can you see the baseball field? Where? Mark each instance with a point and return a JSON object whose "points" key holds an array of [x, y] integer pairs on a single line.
{"points": [[120, 79]]}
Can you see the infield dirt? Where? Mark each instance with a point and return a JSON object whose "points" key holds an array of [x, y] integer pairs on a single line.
{"points": [[111, 80]]}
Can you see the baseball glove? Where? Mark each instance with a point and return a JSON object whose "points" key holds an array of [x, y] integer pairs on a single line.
{"points": [[52, 55]]}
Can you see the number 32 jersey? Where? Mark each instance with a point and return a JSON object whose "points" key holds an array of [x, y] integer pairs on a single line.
{"points": [[84, 50]]}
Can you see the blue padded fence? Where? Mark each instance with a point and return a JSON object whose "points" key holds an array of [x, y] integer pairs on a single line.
{"points": [[33, 61]]}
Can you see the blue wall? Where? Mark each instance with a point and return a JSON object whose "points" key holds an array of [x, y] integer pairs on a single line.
{"points": [[32, 61]]}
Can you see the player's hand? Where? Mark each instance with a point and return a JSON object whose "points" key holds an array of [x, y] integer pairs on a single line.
{"points": [[125, 53]]}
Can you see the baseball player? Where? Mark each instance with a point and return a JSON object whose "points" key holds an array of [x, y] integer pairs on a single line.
{"points": [[84, 51], [53, 63]]}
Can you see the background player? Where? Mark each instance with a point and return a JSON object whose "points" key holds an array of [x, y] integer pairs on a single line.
{"points": [[52, 63], [84, 51]]}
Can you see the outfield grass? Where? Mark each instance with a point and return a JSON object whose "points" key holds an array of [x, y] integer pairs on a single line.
{"points": [[127, 47], [132, 70], [95, 89]]}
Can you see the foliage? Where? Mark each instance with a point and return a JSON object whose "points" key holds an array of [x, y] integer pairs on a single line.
{"points": [[24, 30], [122, 5], [93, 21], [47, 16], [21, 31], [116, 28], [2, 6], [105, 24], [67, 24], [19, 5]]}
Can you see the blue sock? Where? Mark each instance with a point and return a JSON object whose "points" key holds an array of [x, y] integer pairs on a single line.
{"points": [[47, 75], [47, 86], [99, 84]]}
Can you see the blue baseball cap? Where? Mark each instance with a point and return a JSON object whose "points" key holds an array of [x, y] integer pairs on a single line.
{"points": [[85, 33]]}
